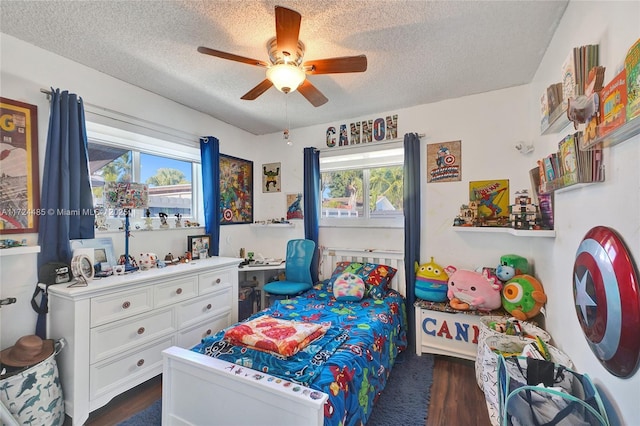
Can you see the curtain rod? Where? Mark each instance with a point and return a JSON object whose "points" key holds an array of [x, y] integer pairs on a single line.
{"points": [[360, 145], [135, 121]]}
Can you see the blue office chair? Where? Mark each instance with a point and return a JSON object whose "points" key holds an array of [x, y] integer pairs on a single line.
{"points": [[297, 270]]}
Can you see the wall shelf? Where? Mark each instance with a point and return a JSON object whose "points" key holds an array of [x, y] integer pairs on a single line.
{"points": [[621, 134], [558, 120], [517, 232], [19, 250]]}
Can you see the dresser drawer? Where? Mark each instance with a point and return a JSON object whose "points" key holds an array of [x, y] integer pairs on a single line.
{"points": [[174, 291], [190, 337], [196, 310], [112, 339], [123, 304], [121, 373], [211, 281]]}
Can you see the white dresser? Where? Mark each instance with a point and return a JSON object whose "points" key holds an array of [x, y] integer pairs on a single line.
{"points": [[117, 327]]}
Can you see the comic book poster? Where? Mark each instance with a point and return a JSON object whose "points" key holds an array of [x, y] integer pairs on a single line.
{"points": [[491, 196], [444, 162], [271, 177], [294, 206]]}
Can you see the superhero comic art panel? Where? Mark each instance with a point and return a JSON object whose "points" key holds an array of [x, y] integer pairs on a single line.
{"points": [[236, 190], [444, 162], [491, 197]]}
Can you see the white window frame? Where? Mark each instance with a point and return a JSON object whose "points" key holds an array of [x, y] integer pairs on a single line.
{"points": [[137, 142], [362, 156]]}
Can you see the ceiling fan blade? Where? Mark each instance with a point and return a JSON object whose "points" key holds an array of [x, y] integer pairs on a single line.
{"points": [[287, 30], [336, 65], [231, 57], [312, 94], [258, 90]]}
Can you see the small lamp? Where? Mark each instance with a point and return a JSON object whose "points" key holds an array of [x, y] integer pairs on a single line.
{"points": [[126, 196]]}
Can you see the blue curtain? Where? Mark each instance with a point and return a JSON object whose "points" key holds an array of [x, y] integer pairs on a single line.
{"points": [[210, 157], [66, 187], [411, 206], [311, 203]]}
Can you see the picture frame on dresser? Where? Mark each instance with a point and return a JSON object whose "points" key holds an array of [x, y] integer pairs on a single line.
{"points": [[199, 246]]}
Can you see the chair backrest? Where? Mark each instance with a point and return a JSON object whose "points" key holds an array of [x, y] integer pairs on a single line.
{"points": [[298, 263]]}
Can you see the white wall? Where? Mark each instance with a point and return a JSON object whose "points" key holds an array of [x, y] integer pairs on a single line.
{"points": [[489, 126], [615, 26]]}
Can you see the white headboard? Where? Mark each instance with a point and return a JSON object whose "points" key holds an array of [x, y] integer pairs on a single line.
{"points": [[395, 259]]}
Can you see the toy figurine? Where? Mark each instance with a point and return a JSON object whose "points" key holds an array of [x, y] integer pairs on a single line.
{"points": [[510, 266], [163, 220], [178, 220], [431, 282], [471, 290], [148, 222], [523, 296]]}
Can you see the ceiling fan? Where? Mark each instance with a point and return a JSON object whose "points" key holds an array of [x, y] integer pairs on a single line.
{"points": [[286, 69]]}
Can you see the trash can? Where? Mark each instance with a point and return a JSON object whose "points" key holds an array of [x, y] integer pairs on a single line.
{"points": [[246, 299], [30, 385]]}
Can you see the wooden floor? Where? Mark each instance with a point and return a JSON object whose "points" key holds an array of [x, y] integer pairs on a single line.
{"points": [[456, 398]]}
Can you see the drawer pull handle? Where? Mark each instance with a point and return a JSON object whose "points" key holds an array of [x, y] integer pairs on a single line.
{"points": [[179, 291], [218, 281], [209, 306], [209, 332], [141, 330], [126, 305], [140, 362]]}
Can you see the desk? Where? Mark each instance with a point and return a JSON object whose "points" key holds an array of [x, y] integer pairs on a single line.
{"points": [[259, 274]]}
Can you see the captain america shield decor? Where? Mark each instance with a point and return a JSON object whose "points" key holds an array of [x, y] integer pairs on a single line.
{"points": [[607, 301]]}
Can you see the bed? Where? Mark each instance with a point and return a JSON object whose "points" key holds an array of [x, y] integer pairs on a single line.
{"points": [[334, 380]]}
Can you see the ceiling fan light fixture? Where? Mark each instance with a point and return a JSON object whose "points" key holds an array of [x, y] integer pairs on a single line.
{"points": [[286, 78]]}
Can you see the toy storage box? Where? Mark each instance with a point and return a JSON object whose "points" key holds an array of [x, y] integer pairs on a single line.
{"points": [[444, 331]]}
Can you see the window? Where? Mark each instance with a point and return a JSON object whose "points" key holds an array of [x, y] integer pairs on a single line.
{"points": [[169, 169], [363, 188]]}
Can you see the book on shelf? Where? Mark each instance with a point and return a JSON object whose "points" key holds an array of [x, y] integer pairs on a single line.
{"points": [[613, 103], [632, 69], [575, 70], [568, 166], [568, 155], [569, 78], [544, 111]]}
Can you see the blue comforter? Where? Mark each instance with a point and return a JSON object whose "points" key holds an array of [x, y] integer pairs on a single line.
{"points": [[351, 363]]}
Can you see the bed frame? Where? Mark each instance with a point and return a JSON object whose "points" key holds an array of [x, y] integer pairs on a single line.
{"points": [[200, 390]]}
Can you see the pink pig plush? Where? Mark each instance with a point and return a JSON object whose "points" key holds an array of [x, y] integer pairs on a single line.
{"points": [[470, 290]]}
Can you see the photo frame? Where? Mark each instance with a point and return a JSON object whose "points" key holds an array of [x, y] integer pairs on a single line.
{"points": [[236, 190], [20, 203], [271, 177], [103, 252], [199, 246]]}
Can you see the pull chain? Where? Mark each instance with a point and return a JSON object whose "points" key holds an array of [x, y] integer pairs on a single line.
{"points": [[286, 116]]}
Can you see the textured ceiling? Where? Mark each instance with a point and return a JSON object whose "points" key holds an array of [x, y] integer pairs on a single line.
{"points": [[418, 51]]}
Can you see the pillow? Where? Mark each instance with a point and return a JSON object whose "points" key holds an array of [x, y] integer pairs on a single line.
{"points": [[377, 278], [348, 287], [342, 267]]}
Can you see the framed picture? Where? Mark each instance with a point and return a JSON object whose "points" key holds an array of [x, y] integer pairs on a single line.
{"points": [[19, 180], [444, 162], [294, 206], [199, 246], [236, 190], [103, 252], [271, 177]]}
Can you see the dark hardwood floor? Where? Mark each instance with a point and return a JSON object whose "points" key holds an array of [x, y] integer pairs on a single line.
{"points": [[456, 398]]}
